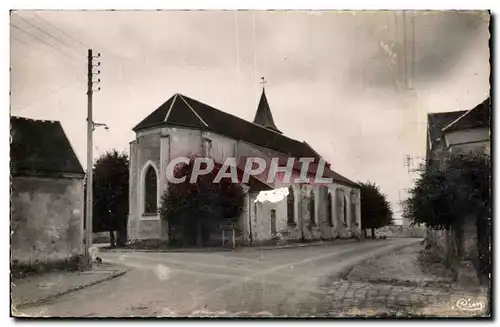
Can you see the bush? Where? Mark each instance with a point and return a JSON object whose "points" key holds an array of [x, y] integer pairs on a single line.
{"points": [[191, 209], [444, 196]]}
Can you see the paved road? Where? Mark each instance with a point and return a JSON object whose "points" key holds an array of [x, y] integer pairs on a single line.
{"points": [[284, 282]]}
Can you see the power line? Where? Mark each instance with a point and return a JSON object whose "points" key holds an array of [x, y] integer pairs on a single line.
{"points": [[73, 38], [59, 89], [86, 46], [68, 64], [48, 44], [47, 33]]}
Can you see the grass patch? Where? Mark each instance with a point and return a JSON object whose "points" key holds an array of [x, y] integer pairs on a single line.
{"points": [[147, 245]]}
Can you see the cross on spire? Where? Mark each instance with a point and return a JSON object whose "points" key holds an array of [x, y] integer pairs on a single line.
{"points": [[263, 81]]}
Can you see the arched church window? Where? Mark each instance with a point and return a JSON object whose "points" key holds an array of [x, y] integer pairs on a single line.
{"points": [[150, 191], [312, 209], [290, 207]]}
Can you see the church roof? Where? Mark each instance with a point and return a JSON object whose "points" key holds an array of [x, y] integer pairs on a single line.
{"points": [[40, 147], [263, 116], [181, 110]]}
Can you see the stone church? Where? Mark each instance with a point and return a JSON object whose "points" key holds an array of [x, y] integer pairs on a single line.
{"points": [[184, 127]]}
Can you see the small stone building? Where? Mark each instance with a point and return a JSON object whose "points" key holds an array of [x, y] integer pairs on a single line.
{"points": [[46, 194], [184, 127]]}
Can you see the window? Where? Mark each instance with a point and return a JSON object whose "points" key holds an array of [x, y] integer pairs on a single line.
{"points": [[312, 209], [345, 209], [290, 207], [353, 214], [329, 208], [207, 147], [339, 201], [150, 191], [354, 201]]}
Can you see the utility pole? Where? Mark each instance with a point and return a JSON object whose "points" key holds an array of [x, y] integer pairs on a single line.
{"points": [[90, 160]]}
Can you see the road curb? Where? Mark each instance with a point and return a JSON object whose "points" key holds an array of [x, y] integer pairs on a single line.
{"points": [[116, 274], [300, 245]]}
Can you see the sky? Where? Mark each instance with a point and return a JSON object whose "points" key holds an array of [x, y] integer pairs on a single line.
{"points": [[357, 86]]}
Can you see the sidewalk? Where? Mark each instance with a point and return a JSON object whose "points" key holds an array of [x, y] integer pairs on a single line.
{"points": [[40, 288], [240, 248]]}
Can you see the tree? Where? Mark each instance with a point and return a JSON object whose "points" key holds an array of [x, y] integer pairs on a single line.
{"points": [[110, 194], [192, 208], [445, 195], [376, 211]]}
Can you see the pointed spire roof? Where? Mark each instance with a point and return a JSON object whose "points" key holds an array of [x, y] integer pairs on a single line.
{"points": [[264, 117]]}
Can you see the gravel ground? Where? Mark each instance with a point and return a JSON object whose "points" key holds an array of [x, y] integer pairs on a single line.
{"points": [[403, 266]]}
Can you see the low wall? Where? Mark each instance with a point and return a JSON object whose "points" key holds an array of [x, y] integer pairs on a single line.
{"points": [[398, 231]]}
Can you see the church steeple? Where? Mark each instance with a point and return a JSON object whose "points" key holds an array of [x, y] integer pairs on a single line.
{"points": [[264, 117]]}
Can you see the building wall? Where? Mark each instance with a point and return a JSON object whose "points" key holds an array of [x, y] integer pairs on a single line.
{"points": [[475, 148], [470, 241], [462, 242], [144, 152], [475, 140], [467, 136], [303, 229], [399, 231], [46, 219], [157, 147], [221, 147], [132, 222]]}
